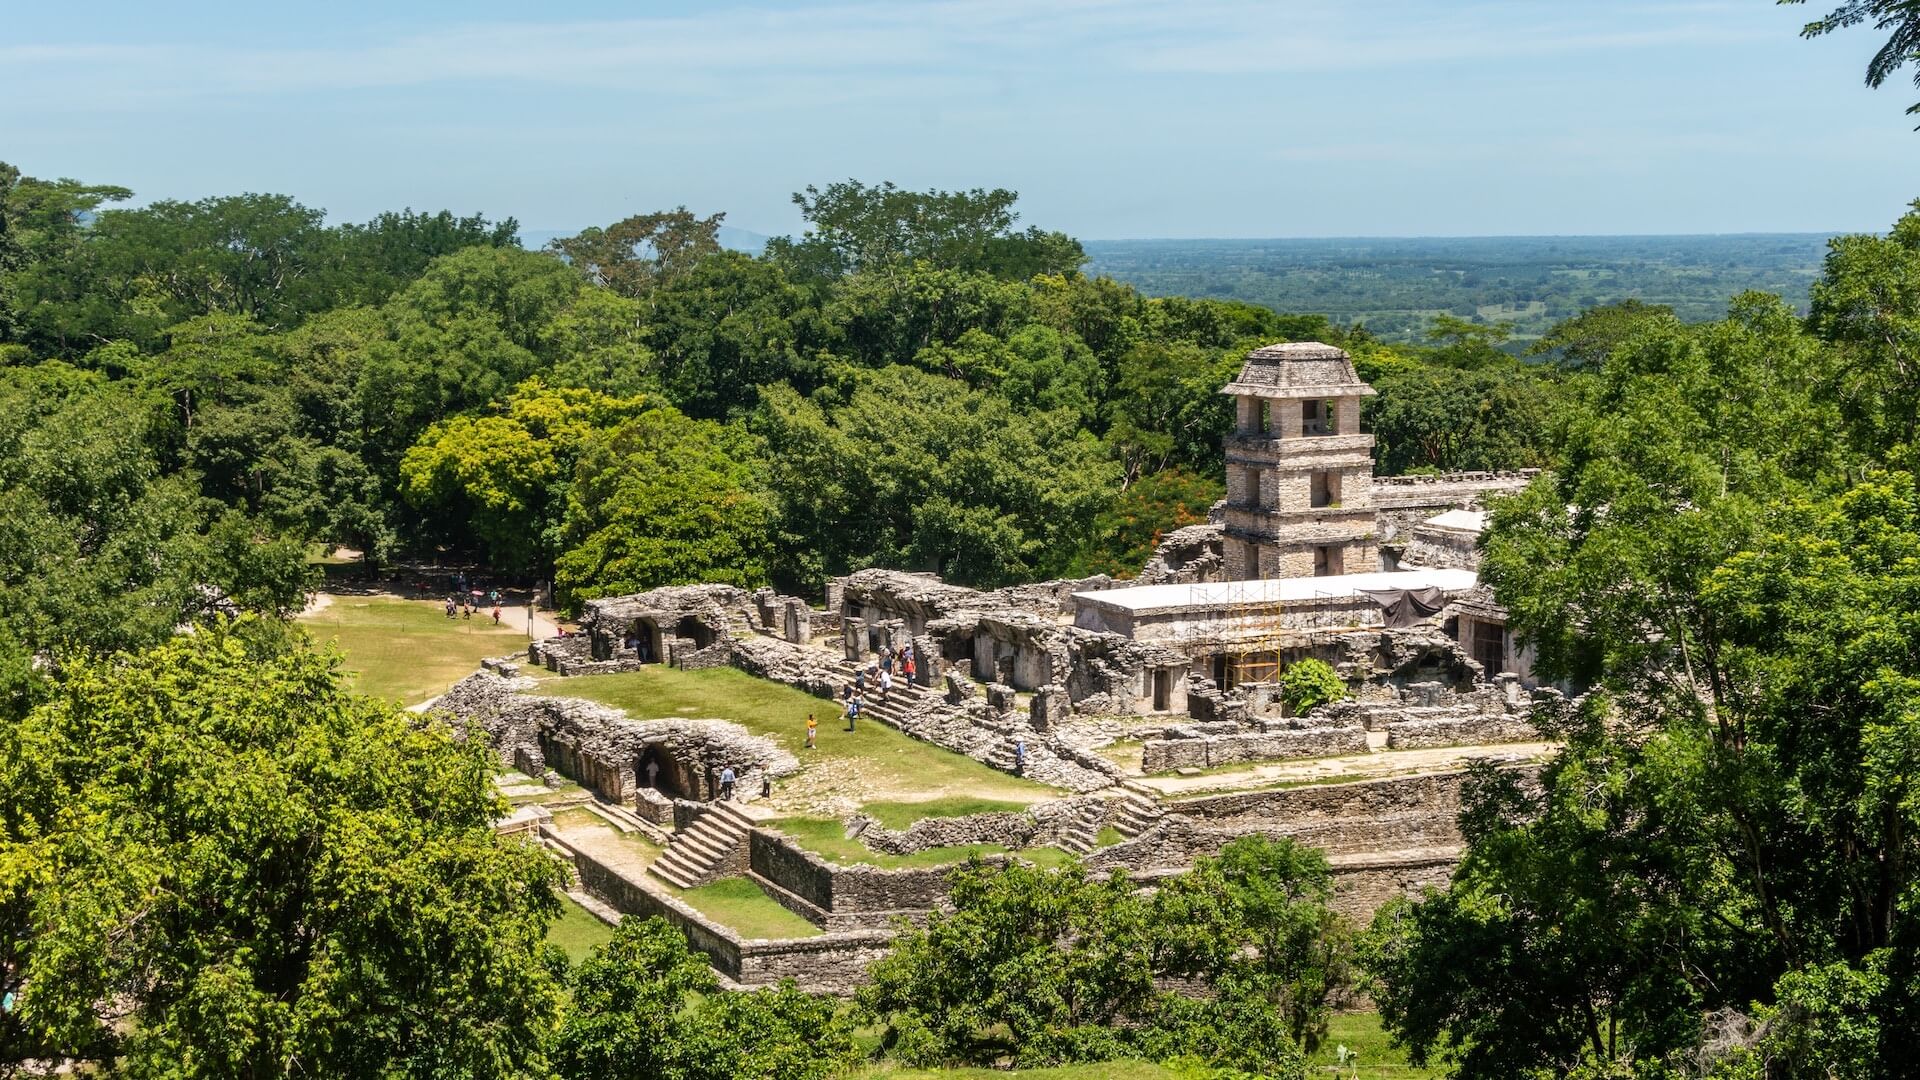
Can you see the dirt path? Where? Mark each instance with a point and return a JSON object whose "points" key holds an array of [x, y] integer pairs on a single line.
{"points": [[1353, 767]]}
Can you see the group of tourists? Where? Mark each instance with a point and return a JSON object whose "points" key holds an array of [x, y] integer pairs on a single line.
{"points": [[879, 676], [461, 604]]}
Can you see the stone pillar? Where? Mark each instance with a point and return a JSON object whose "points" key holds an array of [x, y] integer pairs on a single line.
{"points": [[1049, 707], [1346, 414], [853, 636], [928, 667], [797, 622], [1247, 417], [1291, 425], [836, 594]]}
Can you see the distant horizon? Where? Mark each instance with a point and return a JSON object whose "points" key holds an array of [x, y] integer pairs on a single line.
{"points": [[549, 233]]}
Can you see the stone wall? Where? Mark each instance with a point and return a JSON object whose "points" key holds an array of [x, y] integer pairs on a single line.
{"points": [[843, 897], [1161, 755], [834, 962], [604, 749], [1403, 502]]}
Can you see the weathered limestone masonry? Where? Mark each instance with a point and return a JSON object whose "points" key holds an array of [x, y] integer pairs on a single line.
{"points": [[1401, 503], [1299, 470], [605, 750], [832, 962], [1192, 554], [1382, 837]]}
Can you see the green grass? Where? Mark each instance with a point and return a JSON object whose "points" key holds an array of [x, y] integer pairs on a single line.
{"points": [[408, 650], [875, 759], [902, 815], [741, 904], [1108, 836], [1361, 1032], [578, 930], [827, 838], [1048, 857]]}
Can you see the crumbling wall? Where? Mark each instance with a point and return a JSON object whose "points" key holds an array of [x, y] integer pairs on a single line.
{"points": [[1403, 502], [1173, 751], [602, 747], [1187, 556]]}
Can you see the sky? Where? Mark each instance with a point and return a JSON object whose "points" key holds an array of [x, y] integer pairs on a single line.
{"points": [[1113, 119]]}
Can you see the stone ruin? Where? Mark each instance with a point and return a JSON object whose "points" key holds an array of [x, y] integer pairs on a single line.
{"points": [[608, 752], [1067, 668]]}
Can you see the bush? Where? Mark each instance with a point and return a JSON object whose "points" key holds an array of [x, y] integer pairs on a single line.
{"points": [[1309, 684]]}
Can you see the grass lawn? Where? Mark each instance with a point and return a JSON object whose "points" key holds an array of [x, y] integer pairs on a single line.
{"points": [[1361, 1032], [902, 815], [407, 650], [740, 903], [828, 837], [880, 764], [578, 930]]}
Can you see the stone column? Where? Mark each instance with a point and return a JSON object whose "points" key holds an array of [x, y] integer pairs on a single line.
{"points": [[853, 636]]}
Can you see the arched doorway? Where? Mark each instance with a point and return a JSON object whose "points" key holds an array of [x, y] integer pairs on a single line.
{"points": [[695, 631]]}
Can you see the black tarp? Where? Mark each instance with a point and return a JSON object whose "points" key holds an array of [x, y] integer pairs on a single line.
{"points": [[1405, 607]]}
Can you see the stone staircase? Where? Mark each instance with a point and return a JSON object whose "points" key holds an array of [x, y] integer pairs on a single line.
{"points": [[627, 821], [1137, 813], [893, 709], [1084, 834], [697, 854]]}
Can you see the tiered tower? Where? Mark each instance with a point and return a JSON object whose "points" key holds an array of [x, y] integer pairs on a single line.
{"points": [[1299, 472]]}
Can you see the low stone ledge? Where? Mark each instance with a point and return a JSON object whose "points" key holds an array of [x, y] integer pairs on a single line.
{"points": [[1460, 731], [1164, 755]]}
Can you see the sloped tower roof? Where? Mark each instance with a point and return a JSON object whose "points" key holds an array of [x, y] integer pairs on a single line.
{"points": [[1299, 369]]}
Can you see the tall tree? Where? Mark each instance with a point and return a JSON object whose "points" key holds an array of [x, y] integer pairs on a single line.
{"points": [[214, 862], [855, 228], [636, 255]]}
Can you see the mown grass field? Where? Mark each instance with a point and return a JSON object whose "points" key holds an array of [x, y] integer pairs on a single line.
{"points": [[877, 763], [578, 930], [407, 650]]}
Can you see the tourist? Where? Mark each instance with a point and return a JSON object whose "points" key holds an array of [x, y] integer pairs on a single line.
{"points": [[853, 711], [886, 660], [496, 614], [886, 682], [860, 681], [813, 728], [766, 785], [726, 783], [906, 667], [1019, 757], [653, 774], [451, 607]]}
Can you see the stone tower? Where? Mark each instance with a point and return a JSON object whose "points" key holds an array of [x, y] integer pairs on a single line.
{"points": [[1299, 472]]}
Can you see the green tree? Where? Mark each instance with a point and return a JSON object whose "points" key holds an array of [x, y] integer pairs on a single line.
{"points": [[1867, 305], [1308, 684], [1053, 966], [1254, 922], [1586, 340], [930, 474], [40, 220], [853, 228], [502, 479], [665, 500], [645, 1007], [214, 862], [636, 255]]}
